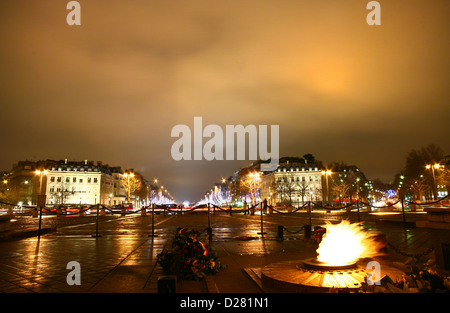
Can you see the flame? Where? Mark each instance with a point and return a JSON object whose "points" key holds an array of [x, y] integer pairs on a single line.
{"points": [[345, 243]]}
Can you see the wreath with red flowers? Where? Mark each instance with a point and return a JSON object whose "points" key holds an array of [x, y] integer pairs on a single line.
{"points": [[196, 258]]}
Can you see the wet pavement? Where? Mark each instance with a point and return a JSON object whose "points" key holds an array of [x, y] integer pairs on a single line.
{"points": [[124, 257]]}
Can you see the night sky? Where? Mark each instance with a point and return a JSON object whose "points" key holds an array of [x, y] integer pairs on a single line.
{"points": [[112, 89]]}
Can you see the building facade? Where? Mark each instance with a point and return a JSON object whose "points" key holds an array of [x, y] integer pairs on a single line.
{"points": [[77, 183], [292, 184], [21, 185], [80, 183]]}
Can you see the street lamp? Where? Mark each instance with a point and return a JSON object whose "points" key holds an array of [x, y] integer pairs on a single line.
{"points": [[41, 173], [41, 199], [128, 176], [253, 184], [357, 186], [327, 173], [433, 167]]}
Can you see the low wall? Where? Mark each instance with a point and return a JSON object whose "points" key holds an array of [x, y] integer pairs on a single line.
{"points": [[437, 217]]}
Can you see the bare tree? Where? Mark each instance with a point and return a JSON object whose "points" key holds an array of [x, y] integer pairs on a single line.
{"points": [[417, 161], [252, 184], [340, 188], [419, 187], [131, 184], [237, 190], [303, 189], [60, 193], [285, 188]]}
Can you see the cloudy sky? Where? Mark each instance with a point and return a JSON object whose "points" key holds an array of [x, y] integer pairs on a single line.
{"points": [[112, 89]]}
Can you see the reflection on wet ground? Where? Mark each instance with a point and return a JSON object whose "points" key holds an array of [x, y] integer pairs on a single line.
{"points": [[124, 249]]}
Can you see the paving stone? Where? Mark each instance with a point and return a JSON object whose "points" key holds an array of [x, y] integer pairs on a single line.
{"points": [[124, 259]]}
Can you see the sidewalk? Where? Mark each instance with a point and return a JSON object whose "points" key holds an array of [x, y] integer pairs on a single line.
{"points": [[124, 258]]}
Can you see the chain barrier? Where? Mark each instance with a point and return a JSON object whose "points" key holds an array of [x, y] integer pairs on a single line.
{"points": [[15, 205], [428, 203], [333, 208], [190, 210], [208, 229], [293, 211], [165, 207], [380, 207], [220, 208], [68, 213], [415, 256], [251, 209], [294, 232]]}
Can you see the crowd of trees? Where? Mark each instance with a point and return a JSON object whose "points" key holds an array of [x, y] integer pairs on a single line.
{"points": [[16, 191], [425, 174]]}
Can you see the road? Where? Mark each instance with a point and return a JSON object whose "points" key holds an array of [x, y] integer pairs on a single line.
{"points": [[123, 258]]}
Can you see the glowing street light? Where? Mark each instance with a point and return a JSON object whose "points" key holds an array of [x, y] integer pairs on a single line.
{"points": [[41, 173], [252, 183], [41, 199], [327, 173], [128, 176], [434, 167]]}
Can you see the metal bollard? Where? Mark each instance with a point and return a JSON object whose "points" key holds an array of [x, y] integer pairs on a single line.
{"points": [[262, 232], [209, 217], [153, 222], [96, 235], [280, 232], [310, 214], [357, 208], [40, 223], [167, 284], [307, 231], [209, 232], [403, 212]]}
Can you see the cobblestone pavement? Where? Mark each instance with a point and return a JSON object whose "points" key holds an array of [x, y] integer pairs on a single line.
{"points": [[123, 258]]}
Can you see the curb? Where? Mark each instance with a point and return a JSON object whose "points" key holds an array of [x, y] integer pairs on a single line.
{"points": [[25, 233]]}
